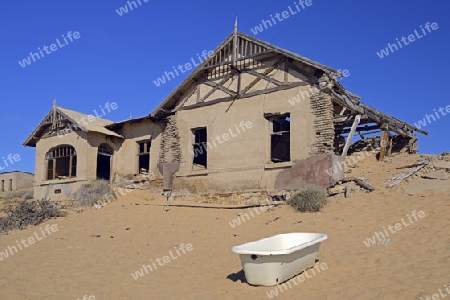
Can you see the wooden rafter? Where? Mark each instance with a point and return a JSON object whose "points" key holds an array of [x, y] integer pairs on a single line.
{"points": [[187, 96]]}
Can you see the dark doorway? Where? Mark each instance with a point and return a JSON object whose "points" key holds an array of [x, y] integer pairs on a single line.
{"points": [[144, 157], [104, 162], [199, 147]]}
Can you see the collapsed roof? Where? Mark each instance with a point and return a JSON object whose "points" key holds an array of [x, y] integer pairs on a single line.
{"points": [[240, 47]]}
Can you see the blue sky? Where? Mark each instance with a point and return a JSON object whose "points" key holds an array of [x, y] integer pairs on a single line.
{"points": [[117, 58]]}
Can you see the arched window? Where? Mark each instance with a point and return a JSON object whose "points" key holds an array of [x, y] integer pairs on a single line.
{"points": [[61, 162]]}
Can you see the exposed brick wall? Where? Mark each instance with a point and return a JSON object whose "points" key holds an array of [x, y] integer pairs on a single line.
{"points": [[170, 145], [322, 110]]}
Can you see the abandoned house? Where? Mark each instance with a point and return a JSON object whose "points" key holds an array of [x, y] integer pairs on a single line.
{"points": [[15, 180], [252, 117]]}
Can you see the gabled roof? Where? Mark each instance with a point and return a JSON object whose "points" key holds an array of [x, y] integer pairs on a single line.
{"points": [[87, 123], [247, 47], [239, 46]]}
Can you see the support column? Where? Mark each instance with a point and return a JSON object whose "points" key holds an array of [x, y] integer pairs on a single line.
{"points": [[350, 135], [385, 135]]}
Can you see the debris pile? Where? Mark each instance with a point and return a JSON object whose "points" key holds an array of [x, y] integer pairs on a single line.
{"points": [[431, 173]]}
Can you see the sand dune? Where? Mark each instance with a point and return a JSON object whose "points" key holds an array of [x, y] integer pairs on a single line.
{"points": [[97, 251]]}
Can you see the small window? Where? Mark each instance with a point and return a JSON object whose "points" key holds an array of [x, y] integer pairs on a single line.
{"points": [[2, 186], [199, 147], [144, 156], [280, 139]]}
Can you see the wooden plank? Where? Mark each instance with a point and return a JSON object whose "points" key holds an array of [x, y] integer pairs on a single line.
{"points": [[350, 136], [360, 182], [403, 176]]}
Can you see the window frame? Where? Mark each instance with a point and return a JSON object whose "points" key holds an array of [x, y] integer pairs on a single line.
{"points": [[57, 153], [273, 119], [146, 152], [200, 144]]}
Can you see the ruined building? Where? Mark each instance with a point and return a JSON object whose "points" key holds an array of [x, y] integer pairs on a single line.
{"points": [[251, 117]]}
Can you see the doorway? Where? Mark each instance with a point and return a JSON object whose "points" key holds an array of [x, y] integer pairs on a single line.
{"points": [[104, 162]]}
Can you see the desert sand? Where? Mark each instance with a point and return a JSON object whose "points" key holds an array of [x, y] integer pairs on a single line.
{"points": [[95, 252]]}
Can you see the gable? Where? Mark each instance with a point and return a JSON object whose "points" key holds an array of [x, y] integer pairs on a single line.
{"points": [[241, 67], [59, 120]]}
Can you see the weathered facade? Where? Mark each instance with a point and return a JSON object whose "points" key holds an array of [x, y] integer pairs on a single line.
{"points": [[12, 181], [70, 152], [249, 118]]}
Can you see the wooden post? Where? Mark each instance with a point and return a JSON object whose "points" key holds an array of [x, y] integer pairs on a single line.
{"points": [[234, 53], [384, 141], [390, 146], [350, 135], [54, 112]]}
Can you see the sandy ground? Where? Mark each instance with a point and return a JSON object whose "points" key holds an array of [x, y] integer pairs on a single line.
{"points": [[94, 253]]}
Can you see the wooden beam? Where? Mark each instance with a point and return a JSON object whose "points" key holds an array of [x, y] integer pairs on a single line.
{"points": [[266, 72], [220, 87], [248, 95], [384, 141], [390, 146], [350, 136], [231, 74], [402, 176], [303, 72], [286, 70], [362, 128], [186, 97], [360, 183], [263, 76], [359, 108]]}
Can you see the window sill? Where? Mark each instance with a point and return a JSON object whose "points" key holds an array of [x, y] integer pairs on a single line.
{"points": [[57, 181], [281, 165]]}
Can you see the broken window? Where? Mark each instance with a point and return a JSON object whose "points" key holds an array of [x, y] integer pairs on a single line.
{"points": [[280, 139], [144, 156], [61, 163], [104, 162], [199, 138]]}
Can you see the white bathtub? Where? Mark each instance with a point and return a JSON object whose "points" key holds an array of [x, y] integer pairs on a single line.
{"points": [[274, 260]]}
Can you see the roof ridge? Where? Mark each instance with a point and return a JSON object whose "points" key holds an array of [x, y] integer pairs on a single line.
{"points": [[82, 113]]}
